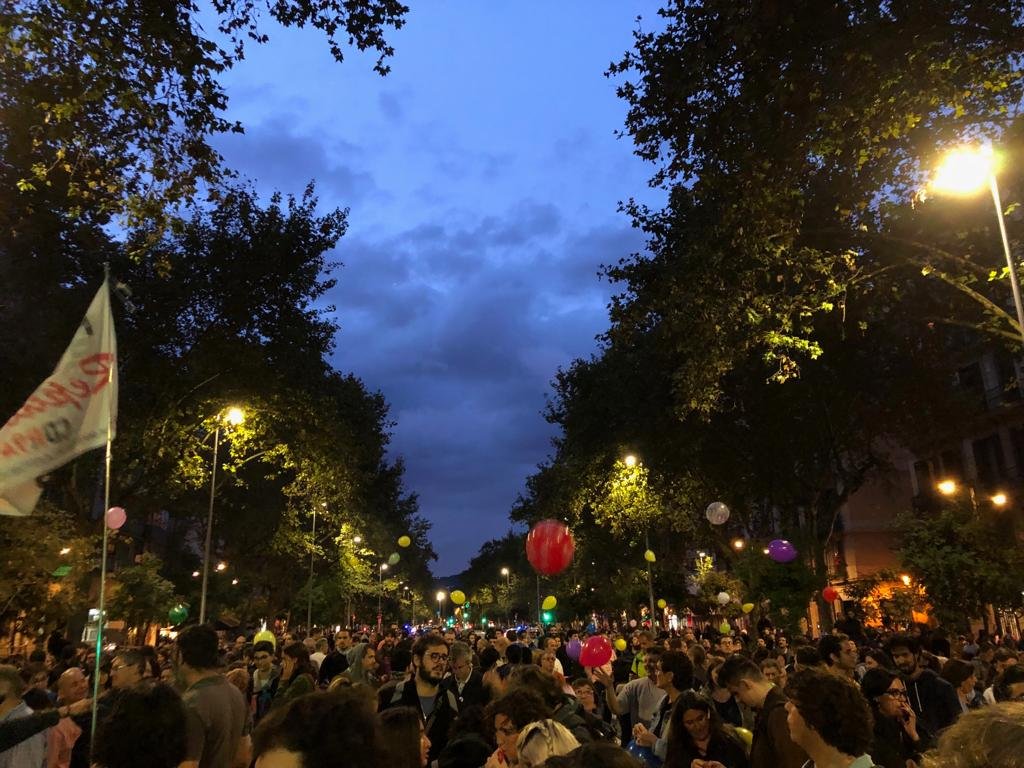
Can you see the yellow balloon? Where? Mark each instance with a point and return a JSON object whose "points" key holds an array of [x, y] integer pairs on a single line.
{"points": [[458, 596], [745, 736], [725, 629], [620, 644], [549, 603], [649, 556], [662, 604], [267, 635], [748, 607], [404, 541]]}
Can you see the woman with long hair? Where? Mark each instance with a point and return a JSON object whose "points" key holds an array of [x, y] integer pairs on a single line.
{"points": [[405, 743], [697, 732], [898, 736], [297, 675]]}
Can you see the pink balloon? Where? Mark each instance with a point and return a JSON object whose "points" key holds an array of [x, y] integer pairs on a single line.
{"points": [[116, 517], [596, 651]]}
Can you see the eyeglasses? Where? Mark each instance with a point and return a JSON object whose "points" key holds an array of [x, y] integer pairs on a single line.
{"points": [[435, 657], [261, 656], [116, 667], [897, 693]]}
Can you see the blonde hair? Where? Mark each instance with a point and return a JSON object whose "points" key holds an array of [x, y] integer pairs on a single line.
{"points": [[990, 737]]}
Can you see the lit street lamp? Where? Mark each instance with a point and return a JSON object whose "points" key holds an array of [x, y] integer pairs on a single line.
{"points": [[631, 461], [312, 553], [380, 597], [965, 171], [233, 417], [440, 602]]}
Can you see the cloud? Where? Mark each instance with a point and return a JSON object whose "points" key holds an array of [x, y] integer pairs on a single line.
{"points": [[277, 156], [462, 327]]}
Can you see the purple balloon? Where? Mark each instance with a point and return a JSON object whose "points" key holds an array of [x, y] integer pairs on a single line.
{"points": [[573, 648], [781, 551]]}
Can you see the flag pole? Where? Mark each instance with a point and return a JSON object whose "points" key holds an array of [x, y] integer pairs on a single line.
{"points": [[103, 557]]}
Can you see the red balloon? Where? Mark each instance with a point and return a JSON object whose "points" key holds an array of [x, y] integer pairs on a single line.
{"points": [[596, 651], [831, 594], [550, 547]]}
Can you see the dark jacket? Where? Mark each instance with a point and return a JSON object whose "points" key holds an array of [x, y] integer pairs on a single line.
{"points": [[446, 710], [934, 700], [473, 692], [772, 746], [570, 714], [334, 664], [890, 745], [724, 747]]}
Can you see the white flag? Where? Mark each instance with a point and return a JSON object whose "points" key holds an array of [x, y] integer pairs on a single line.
{"points": [[67, 415]]}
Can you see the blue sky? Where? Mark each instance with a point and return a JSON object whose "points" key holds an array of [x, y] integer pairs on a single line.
{"points": [[482, 177]]}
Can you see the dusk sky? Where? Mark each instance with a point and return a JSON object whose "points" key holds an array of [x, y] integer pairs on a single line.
{"points": [[482, 176]]}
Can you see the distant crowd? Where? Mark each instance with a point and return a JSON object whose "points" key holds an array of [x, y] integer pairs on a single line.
{"points": [[853, 698]]}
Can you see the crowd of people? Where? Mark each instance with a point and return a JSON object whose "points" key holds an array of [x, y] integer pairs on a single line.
{"points": [[469, 699]]}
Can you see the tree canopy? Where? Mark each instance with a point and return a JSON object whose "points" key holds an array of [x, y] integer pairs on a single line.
{"points": [[111, 105]]}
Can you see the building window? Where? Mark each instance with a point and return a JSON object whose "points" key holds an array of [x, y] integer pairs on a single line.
{"points": [[988, 458]]}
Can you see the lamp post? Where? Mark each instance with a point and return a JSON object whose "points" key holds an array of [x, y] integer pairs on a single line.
{"points": [[631, 462], [999, 500], [440, 601], [348, 593], [412, 607], [234, 417], [963, 172], [380, 597], [508, 595], [312, 553]]}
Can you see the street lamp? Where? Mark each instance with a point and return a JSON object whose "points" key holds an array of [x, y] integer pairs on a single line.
{"points": [[966, 170], [631, 461], [440, 600], [312, 553], [233, 417], [380, 597]]}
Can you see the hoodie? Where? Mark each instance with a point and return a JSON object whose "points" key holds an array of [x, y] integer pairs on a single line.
{"points": [[934, 701]]}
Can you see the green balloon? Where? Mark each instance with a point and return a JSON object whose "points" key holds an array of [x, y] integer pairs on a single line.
{"points": [[393, 558], [178, 613]]}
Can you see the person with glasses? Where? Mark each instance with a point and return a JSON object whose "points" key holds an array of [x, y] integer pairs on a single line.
{"points": [[897, 736], [438, 706], [464, 681], [265, 679], [699, 735]]}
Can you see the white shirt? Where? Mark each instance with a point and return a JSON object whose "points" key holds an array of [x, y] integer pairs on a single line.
{"points": [[30, 753]]}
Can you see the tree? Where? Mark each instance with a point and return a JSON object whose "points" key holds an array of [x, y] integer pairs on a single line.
{"points": [[242, 322], [790, 147], [112, 104], [964, 557], [46, 568], [142, 595]]}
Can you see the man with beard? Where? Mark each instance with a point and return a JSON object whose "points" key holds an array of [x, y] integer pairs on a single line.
{"points": [[336, 661], [438, 706], [932, 698]]}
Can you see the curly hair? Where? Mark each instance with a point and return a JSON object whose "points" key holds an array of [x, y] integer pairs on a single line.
{"points": [[522, 706], [541, 682], [834, 708], [990, 736]]}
